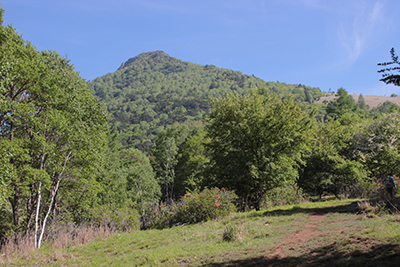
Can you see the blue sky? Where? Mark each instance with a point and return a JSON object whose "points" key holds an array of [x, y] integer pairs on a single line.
{"points": [[320, 43]]}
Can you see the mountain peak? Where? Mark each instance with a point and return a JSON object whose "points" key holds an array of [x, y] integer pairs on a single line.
{"points": [[152, 54]]}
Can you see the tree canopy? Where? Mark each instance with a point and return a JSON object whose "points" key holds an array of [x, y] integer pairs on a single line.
{"points": [[389, 73], [152, 91], [256, 141], [52, 131]]}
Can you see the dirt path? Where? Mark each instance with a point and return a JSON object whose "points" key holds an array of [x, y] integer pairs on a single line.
{"points": [[300, 237]]}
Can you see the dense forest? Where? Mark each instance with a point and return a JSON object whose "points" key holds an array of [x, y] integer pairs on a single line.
{"points": [[162, 142], [153, 90]]}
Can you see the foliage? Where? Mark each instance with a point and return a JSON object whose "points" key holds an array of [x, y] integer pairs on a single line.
{"points": [[113, 176], [153, 90], [116, 220], [6, 175], [127, 178], [194, 207], [378, 146], [52, 132], [362, 105], [388, 76], [192, 163], [341, 105], [384, 109], [327, 167], [256, 142], [142, 186], [165, 158], [280, 196], [206, 205]]}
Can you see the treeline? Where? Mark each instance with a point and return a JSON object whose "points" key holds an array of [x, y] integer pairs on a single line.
{"points": [[172, 128]]}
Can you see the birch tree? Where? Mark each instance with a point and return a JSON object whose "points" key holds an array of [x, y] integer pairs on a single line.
{"points": [[51, 128]]}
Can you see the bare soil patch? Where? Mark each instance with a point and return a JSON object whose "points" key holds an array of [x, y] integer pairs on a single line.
{"points": [[324, 239], [298, 238]]}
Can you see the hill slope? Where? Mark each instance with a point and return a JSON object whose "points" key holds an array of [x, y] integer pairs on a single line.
{"points": [[372, 101], [314, 234], [153, 90]]}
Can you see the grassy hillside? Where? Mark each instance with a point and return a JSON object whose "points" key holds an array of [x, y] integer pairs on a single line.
{"points": [[153, 90], [332, 233], [371, 100]]}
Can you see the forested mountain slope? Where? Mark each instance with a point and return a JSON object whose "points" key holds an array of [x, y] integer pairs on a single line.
{"points": [[153, 90]]}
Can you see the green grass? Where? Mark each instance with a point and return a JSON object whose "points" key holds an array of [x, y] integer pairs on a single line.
{"points": [[338, 237]]}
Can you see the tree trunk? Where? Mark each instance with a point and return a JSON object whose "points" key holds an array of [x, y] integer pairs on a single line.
{"points": [[37, 245], [53, 196], [15, 206], [30, 206]]}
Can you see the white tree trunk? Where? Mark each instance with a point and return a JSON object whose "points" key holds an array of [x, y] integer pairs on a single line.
{"points": [[37, 214], [53, 195]]}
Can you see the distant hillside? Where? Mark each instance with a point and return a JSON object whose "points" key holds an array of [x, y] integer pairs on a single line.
{"points": [[371, 100], [153, 90]]}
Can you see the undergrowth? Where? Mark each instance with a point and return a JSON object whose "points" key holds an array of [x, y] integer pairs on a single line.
{"points": [[290, 194], [192, 208]]}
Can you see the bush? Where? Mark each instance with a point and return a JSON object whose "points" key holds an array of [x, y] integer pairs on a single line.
{"points": [[193, 208], [206, 205], [123, 219], [291, 194]]}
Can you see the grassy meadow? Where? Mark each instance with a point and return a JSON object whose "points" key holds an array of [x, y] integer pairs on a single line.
{"points": [[332, 233]]}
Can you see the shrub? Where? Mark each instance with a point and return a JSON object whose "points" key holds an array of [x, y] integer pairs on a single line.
{"points": [[290, 194], [123, 219], [193, 208], [161, 216], [206, 205]]}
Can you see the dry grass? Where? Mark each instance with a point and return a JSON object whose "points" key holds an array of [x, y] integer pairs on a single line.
{"points": [[22, 247], [366, 207], [371, 100], [81, 236], [25, 246]]}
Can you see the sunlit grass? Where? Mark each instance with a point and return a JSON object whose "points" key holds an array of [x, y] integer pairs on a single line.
{"points": [[341, 231]]}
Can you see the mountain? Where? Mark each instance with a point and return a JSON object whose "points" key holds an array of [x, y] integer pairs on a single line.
{"points": [[153, 90]]}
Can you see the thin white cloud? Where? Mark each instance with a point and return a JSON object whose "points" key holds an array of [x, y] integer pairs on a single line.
{"points": [[351, 40], [377, 12], [359, 24]]}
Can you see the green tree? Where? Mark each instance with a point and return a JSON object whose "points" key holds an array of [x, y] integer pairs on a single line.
{"points": [[142, 186], [388, 76], [341, 105], [52, 131], [378, 146], [192, 163], [256, 142], [6, 175], [361, 103], [164, 155], [384, 109], [113, 176], [327, 169]]}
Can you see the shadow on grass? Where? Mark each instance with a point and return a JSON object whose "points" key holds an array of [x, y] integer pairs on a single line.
{"points": [[332, 255], [349, 208]]}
